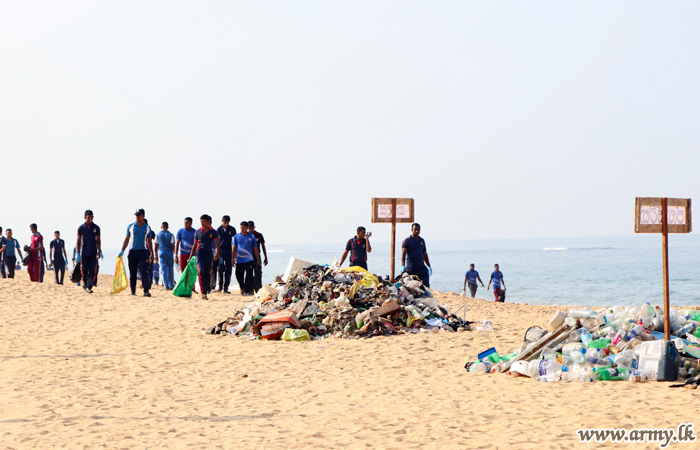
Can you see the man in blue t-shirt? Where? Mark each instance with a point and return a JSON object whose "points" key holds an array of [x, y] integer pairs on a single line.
{"points": [[245, 255], [88, 249], [206, 248], [184, 240], [165, 248], [226, 234], [140, 252], [498, 281], [414, 256], [358, 247], [9, 246], [470, 278]]}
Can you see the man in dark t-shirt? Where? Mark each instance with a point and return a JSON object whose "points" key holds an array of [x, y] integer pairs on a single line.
{"points": [[414, 256], [257, 268], [226, 234], [88, 250], [358, 247], [205, 240], [57, 254]]}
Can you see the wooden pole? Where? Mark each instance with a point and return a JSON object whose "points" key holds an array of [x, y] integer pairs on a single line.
{"points": [[393, 237], [664, 234]]}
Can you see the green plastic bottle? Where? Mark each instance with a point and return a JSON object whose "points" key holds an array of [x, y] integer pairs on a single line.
{"points": [[599, 343], [509, 357]]}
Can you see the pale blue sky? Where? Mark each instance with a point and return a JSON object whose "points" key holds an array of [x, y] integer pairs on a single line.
{"points": [[501, 119]]}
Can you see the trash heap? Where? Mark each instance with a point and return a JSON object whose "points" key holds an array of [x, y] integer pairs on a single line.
{"points": [[622, 343], [326, 301]]}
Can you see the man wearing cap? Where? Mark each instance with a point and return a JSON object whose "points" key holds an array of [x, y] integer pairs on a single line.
{"points": [[226, 234], [359, 246], [165, 246], [184, 239], [245, 255], [140, 252], [88, 249], [206, 248], [257, 268], [414, 256]]}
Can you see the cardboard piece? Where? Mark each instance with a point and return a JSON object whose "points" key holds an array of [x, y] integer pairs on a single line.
{"points": [[386, 309], [273, 325]]}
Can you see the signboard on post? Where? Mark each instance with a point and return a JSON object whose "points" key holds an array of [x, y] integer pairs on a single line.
{"points": [[393, 211], [663, 215]]}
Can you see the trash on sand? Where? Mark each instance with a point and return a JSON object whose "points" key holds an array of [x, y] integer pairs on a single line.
{"points": [[620, 343], [327, 301]]}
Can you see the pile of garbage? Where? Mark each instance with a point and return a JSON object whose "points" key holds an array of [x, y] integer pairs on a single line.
{"points": [[326, 301], [622, 343]]}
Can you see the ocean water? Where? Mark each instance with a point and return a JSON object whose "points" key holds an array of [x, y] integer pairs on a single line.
{"points": [[598, 271]]}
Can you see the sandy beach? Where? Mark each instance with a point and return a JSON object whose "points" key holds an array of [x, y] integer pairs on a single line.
{"points": [[120, 372]]}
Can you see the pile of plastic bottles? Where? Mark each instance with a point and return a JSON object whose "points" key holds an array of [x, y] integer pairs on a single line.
{"points": [[621, 343]]}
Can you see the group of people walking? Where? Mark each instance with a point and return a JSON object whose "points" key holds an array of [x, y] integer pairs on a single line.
{"points": [[217, 252]]}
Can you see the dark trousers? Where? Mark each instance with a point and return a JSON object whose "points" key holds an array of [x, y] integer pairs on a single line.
{"points": [[472, 289], [213, 270], [2, 265], [10, 262], [362, 264], [59, 267], [244, 275], [421, 272], [138, 261], [204, 265], [88, 266], [257, 277], [225, 270]]}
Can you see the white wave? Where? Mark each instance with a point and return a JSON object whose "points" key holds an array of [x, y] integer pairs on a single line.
{"points": [[555, 248]]}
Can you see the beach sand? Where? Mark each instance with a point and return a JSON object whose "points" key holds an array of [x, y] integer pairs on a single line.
{"points": [[120, 372]]}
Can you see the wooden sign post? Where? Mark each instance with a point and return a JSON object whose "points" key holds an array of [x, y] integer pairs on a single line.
{"points": [[663, 215], [392, 210]]}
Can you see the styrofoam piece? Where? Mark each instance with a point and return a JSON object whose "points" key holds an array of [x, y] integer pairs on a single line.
{"points": [[295, 265], [557, 320], [649, 355]]}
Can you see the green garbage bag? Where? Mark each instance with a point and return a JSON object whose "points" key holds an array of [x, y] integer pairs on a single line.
{"points": [[184, 285]]}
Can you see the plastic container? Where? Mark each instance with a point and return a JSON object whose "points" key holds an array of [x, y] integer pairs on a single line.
{"points": [[549, 367], [599, 343], [595, 356], [582, 314], [572, 347], [480, 367], [668, 363], [586, 337], [556, 320], [649, 354]]}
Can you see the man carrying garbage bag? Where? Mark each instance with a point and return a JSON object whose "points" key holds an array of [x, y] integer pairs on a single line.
{"points": [[204, 239], [414, 256], [140, 252]]}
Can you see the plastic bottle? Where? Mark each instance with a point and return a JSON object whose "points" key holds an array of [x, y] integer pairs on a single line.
{"points": [[647, 312], [480, 367], [688, 328], [549, 367], [586, 337], [599, 343], [579, 357], [572, 347], [595, 355], [496, 368], [549, 377], [634, 332], [618, 336], [582, 314]]}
